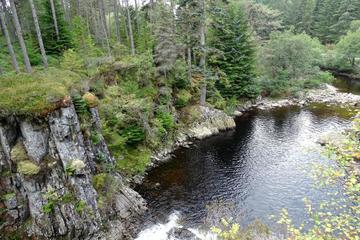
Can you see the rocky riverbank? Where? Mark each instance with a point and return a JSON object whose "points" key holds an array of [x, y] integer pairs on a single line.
{"points": [[327, 95]]}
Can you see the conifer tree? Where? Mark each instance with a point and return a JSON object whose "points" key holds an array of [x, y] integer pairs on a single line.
{"points": [[54, 45], [230, 37]]}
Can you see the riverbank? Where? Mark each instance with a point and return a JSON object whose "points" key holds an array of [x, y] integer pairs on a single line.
{"points": [[213, 121]]}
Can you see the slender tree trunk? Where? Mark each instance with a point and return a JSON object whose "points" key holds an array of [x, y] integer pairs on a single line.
{"points": [[38, 34], [125, 21], [103, 15], [203, 54], [66, 10], [54, 19], [132, 44], [103, 26], [117, 20], [189, 63], [20, 37], [8, 21], [8, 41], [137, 18]]}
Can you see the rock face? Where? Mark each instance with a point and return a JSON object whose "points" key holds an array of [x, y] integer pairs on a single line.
{"points": [[47, 180], [211, 122]]}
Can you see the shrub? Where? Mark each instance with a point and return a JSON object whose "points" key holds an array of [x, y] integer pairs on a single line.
{"points": [[95, 137], [79, 104], [80, 206], [91, 100], [73, 61], [166, 119], [182, 98], [134, 134]]}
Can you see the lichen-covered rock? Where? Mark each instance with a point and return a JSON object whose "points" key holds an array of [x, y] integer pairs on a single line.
{"points": [[42, 197], [35, 139], [211, 122]]}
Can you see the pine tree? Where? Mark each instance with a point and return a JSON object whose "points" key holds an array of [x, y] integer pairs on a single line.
{"points": [[54, 45], [166, 48], [230, 37], [348, 11]]}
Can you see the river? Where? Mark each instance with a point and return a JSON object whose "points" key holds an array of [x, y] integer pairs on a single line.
{"points": [[253, 171]]}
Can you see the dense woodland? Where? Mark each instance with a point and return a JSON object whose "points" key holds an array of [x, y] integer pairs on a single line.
{"points": [[149, 62]]}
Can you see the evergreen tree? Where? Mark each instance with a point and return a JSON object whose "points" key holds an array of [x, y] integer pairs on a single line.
{"points": [[231, 39], [348, 11], [54, 45]]}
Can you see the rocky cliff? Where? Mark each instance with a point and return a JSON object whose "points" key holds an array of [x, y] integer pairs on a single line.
{"points": [[56, 180]]}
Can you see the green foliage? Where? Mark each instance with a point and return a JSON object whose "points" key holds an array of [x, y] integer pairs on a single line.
{"points": [[81, 39], [79, 104], [235, 58], [36, 93], [54, 45], [348, 50], [80, 206], [95, 137], [72, 61], [135, 161], [182, 98], [290, 62], [134, 134]]}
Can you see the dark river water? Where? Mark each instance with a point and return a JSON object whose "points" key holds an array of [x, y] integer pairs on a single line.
{"points": [[262, 166]]}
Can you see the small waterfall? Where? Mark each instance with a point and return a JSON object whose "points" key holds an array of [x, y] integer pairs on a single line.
{"points": [[173, 230]]}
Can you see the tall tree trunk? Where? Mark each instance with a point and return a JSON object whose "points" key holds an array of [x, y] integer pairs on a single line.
{"points": [[8, 41], [137, 18], [203, 53], [20, 37], [8, 21], [189, 63], [54, 19], [117, 20], [103, 26], [132, 44], [64, 3], [38, 34], [103, 15]]}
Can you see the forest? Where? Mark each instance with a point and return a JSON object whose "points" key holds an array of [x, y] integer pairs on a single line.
{"points": [[149, 65]]}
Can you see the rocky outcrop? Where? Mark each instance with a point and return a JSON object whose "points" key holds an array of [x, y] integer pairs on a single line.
{"points": [[48, 168]]}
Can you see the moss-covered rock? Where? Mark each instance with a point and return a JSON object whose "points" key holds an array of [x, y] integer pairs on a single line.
{"points": [[91, 100], [28, 168], [37, 93], [18, 153]]}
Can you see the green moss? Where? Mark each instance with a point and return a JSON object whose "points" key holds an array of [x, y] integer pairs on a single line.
{"points": [[95, 137], [28, 168], [80, 206], [18, 153], [8, 196], [37, 93], [135, 161], [99, 181]]}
